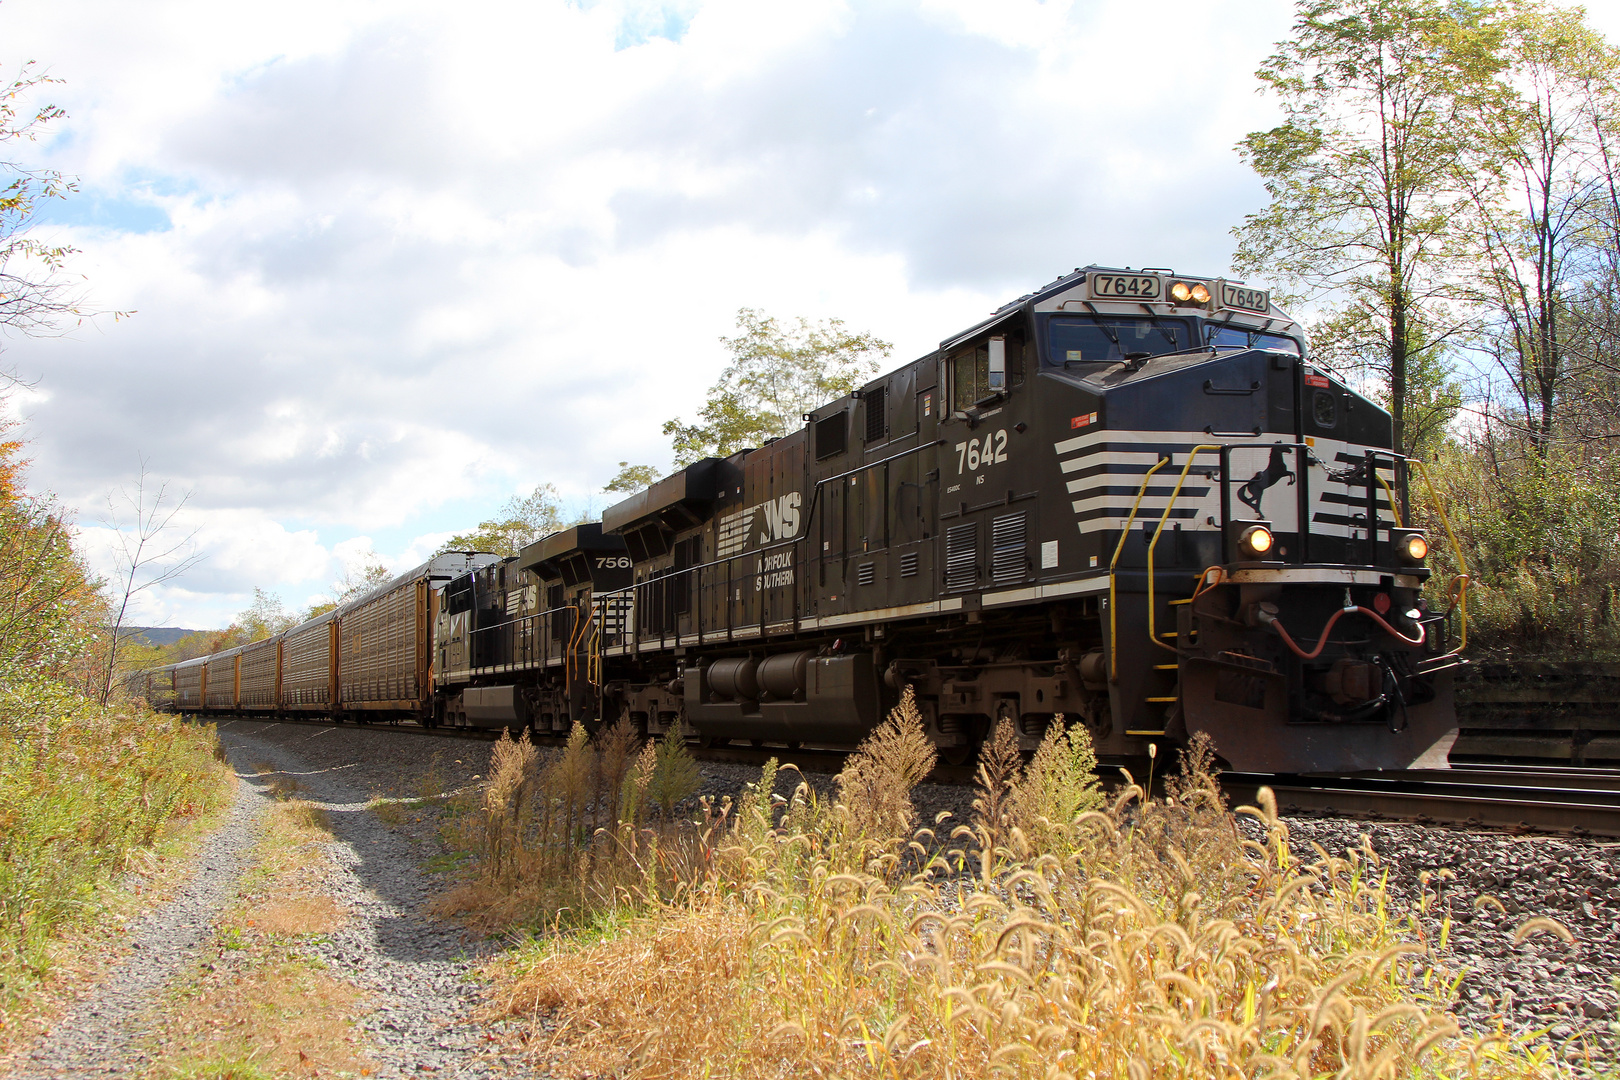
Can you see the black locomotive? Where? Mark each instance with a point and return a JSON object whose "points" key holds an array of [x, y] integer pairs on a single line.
{"points": [[1127, 498]]}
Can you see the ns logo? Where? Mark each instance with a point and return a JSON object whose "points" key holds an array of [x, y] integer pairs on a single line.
{"points": [[781, 518]]}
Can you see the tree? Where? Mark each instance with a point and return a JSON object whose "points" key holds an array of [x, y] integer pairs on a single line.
{"points": [[51, 607], [1352, 341], [358, 578], [632, 478], [521, 521], [149, 552], [1364, 196], [1533, 166], [34, 298], [265, 617], [776, 375]]}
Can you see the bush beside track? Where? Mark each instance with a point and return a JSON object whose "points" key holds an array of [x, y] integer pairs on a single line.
{"points": [[88, 793]]}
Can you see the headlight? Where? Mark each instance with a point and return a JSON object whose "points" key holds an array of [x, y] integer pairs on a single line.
{"points": [[1412, 547], [1255, 541], [1189, 292]]}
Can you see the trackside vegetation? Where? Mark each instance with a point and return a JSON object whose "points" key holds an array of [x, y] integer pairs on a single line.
{"points": [[1063, 932], [1442, 188], [88, 793]]}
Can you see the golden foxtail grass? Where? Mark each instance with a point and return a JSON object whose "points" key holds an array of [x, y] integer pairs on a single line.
{"points": [[565, 842], [1062, 934]]}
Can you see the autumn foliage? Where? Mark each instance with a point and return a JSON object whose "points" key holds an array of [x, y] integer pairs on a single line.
{"points": [[51, 607]]}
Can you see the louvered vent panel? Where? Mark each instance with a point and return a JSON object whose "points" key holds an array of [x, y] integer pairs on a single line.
{"points": [[866, 574], [832, 435], [877, 415], [962, 557], [1009, 562], [908, 564]]}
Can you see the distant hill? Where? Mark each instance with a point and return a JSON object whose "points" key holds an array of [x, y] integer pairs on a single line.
{"points": [[158, 636]]}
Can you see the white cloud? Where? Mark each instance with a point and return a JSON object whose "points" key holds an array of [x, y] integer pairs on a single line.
{"points": [[394, 262]]}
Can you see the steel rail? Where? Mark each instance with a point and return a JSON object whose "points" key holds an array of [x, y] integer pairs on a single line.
{"points": [[1577, 811], [1574, 801]]}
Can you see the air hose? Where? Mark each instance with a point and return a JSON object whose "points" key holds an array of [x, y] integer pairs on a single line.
{"points": [[1272, 621]]}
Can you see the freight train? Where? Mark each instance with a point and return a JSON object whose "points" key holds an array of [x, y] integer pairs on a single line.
{"points": [[1128, 499]]}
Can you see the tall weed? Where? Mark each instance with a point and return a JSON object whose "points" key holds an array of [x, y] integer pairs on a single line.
{"points": [[567, 842], [875, 784], [1071, 936]]}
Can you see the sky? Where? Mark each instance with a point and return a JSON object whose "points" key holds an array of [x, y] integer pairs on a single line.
{"points": [[383, 265]]}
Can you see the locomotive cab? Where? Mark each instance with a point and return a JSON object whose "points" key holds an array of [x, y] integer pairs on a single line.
{"points": [[1241, 503]]}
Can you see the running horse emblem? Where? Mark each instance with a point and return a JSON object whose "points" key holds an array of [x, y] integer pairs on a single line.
{"points": [[1276, 470]]}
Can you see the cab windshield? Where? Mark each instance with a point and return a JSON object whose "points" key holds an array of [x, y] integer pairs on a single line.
{"points": [[1074, 339], [1236, 337]]}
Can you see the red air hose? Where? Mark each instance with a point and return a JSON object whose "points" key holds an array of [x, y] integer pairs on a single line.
{"points": [[1321, 643]]}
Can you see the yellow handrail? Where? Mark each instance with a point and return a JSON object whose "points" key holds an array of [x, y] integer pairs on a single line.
{"points": [[594, 674], [1154, 543], [1394, 507], [1113, 608], [1462, 579], [576, 638]]}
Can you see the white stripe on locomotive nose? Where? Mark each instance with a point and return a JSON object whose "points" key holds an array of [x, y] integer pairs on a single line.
{"points": [[1115, 465], [1186, 440]]}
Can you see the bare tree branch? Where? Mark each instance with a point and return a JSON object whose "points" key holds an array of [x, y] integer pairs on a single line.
{"points": [[147, 554]]}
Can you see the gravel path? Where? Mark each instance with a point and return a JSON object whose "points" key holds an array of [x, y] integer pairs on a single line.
{"points": [[414, 970], [100, 1034]]}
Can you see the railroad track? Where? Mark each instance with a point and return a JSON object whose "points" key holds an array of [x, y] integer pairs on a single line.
{"points": [[1578, 801]]}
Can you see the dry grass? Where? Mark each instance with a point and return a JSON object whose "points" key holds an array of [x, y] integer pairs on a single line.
{"points": [[258, 1007], [1059, 936], [576, 839], [286, 1018]]}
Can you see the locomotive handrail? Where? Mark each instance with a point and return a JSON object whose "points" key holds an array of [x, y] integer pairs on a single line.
{"points": [[1192, 455], [793, 542], [1394, 505], [1113, 608]]}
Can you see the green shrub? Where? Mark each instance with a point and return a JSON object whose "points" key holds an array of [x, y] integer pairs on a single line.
{"points": [[84, 790], [1540, 539]]}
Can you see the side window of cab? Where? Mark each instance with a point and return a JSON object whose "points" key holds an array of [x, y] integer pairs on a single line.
{"points": [[979, 370], [970, 375]]}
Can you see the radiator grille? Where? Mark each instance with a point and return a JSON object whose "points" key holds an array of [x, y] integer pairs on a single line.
{"points": [[877, 416], [962, 557], [908, 564], [1009, 560], [866, 574]]}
